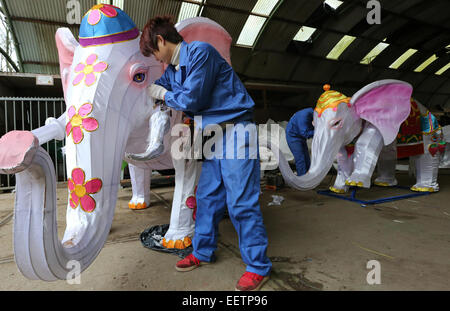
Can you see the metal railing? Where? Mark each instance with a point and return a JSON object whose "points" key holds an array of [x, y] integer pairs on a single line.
{"points": [[27, 114]]}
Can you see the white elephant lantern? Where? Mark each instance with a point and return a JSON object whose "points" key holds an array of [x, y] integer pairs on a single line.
{"points": [[104, 78], [367, 129]]}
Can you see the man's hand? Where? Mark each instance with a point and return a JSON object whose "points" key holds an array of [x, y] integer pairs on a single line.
{"points": [[156, 91]]}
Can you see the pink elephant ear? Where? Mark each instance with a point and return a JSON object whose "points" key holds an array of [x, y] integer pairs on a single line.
{"points": [[206, 30], [385, 104], [66, 44]]}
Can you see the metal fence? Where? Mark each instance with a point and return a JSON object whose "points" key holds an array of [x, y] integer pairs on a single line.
{"points": [[28, 114]]}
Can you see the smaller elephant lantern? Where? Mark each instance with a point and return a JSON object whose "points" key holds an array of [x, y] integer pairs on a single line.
{"points": [[379, 124]]}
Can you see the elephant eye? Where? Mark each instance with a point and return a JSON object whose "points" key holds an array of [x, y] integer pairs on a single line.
{"points": [[335, 123], [139, 77]]}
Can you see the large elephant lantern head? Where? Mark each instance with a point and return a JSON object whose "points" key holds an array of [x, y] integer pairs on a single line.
{"points": [[104, 77], [338, 120]]}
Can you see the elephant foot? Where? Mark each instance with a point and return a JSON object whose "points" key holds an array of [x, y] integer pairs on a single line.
{"points": [[138, 206], [178, 244], [139, 202], [358, 180], [338, 190], [417, 188], [385, 182]]}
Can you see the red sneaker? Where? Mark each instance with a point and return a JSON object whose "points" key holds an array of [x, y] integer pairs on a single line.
{"points": [[189, 263], [250, 281]]}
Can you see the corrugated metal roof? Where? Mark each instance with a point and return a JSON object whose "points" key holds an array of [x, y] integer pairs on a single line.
{"points": [[141, 11], [416, 24]]}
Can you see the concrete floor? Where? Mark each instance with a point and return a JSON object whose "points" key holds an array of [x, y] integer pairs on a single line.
{"points": [[315, 243]]}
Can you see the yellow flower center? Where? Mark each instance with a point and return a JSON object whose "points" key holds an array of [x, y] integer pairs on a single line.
{"points": [[88, 69], [80, 191], [76, 120]]}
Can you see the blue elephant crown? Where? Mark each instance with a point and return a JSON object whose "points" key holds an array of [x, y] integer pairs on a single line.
{"points": [[106, 24]]}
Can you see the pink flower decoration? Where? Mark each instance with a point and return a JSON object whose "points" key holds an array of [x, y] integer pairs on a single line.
{"points": [[95, 14], [80, 190], [89, 70], [78, 121]]}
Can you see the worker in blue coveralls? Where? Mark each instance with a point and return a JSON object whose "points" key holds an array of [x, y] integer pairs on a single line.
{"points": [[200, 82], [298, 130]]}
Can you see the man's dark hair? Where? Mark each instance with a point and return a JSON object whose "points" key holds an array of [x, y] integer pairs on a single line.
{"points": [[159, 25]]}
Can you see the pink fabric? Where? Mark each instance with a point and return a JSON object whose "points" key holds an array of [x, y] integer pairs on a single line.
{"points": [[70, 185], [91, 59], [68, 128], [386, 107], [99, 67], [80, 67], [78, 176], [191, 202], [109, 10], [90, 79], [14, 147], [93, 185], [77, 134], [90, 124], [84, 110], [78, 78], [71, 112], [94, 17], [215, 36], [87, 203], [65, 53]]}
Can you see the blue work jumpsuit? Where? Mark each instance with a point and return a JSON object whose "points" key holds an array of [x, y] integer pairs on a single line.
{"points": [[298, 130], [206, 85]]}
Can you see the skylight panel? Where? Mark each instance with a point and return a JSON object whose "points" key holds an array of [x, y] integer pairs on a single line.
{"points": [[304, 33], [340, 47], [374, 52], [188, 10], [443, 69], [399, 61], [117, 3], [333, 3], [264, 7], [426, 63], [251, 30]]}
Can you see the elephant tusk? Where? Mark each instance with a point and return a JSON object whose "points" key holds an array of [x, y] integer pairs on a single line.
{"points": [[159, 126]]}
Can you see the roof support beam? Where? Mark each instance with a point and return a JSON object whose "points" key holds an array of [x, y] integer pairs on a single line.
{"points": [[13, 33], [10, 61], [43, 22]]}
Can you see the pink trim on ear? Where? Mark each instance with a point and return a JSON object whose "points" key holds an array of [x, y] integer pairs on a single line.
{"points": [[210, 33], [66, 45], [386, 106]]}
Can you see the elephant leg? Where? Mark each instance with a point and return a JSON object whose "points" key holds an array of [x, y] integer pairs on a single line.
{"points": [[345, 168], [140, 186], [182, 224], [367, 150], [386, 166], [427, 167]]}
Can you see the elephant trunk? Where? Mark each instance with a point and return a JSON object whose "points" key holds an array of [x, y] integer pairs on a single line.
{"points": [[39, 253], [323, 153]]}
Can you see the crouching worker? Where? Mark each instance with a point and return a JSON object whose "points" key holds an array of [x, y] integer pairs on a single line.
{"points": [[298, 130], [200, 82]]}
